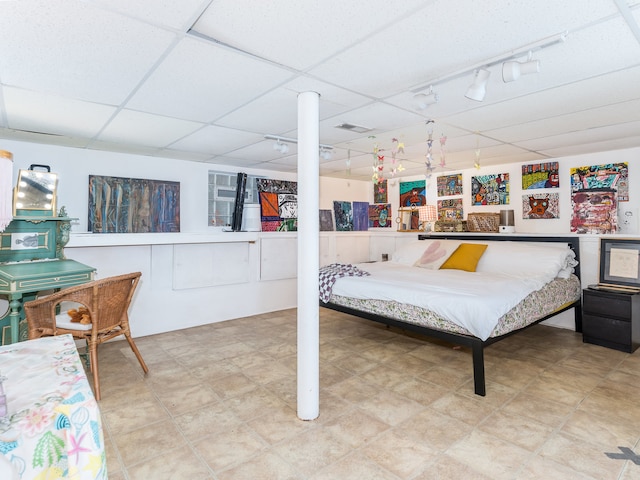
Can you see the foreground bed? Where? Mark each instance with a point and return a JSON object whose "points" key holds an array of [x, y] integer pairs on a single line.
{"points": [[424, 298]]}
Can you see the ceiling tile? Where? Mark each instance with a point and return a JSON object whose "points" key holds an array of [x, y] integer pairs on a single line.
{"points": [[326, 26], [41, 112], [179, 15], [143, 129], [215, 140], [72, 49], [201, 81]]}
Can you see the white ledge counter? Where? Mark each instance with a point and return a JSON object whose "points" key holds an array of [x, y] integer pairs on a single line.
{"points": [[123, 239]]}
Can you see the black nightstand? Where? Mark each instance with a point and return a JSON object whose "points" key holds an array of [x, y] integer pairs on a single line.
{"points": [[611, 319]]}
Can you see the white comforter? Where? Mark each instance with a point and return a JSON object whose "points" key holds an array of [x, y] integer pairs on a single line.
{"points": [[473, 300]]}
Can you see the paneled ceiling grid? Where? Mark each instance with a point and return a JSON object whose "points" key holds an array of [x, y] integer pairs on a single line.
{"points": [[132, 77]]}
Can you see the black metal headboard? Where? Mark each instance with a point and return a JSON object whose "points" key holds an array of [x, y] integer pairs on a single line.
{"points": [[572, 241]]}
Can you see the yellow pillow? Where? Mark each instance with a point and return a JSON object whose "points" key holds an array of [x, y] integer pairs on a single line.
{"points": [[465, 257]]}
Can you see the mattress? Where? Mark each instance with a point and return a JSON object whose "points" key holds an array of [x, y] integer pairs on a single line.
{"points": [[538, 304]]}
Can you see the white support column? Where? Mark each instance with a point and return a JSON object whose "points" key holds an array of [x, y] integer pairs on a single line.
{"points": [[308, 256]]}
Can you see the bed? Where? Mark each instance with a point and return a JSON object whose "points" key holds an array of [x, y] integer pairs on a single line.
{"points": [[503, 284]]}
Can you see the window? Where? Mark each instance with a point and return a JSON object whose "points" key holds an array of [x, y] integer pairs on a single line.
{"points": [[222, 196]]}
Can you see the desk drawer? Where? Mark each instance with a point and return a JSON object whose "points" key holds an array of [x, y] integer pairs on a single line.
{"points": [[607, 305], [56, 281]]}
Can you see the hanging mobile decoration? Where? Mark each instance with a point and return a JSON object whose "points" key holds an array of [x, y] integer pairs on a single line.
{"points": [[443, 141], [398, 148], [378, 164], [349, 162], [429, 156], [477, 162]]}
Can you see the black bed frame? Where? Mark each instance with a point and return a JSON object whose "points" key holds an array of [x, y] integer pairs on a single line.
{"points": [[477, 345]]}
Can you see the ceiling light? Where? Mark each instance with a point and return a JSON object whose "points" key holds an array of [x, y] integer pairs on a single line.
{"points": [[490, 62], [478, 88], [423, 100], [325, 154], [281, 147], [512, 71]]}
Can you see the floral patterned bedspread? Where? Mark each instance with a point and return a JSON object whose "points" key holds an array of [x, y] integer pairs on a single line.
{"points": [[535, 306], [53, 427]]}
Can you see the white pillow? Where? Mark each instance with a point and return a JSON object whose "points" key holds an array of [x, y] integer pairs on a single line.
{"points": [[515, 258], [410, 252]]}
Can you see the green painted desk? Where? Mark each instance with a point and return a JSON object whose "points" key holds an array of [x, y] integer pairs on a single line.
{"points": [[32, 260], [21, 281]]}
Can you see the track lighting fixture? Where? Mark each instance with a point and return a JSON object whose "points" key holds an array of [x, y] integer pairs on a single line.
{"points": [[478, 88], [282, 146], [423, 100], [512, 71]]}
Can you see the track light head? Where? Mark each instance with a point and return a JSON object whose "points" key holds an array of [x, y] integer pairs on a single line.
{"points": [[281, 147], [325, 154], [478, 88], [512, 71], [423, 100]]}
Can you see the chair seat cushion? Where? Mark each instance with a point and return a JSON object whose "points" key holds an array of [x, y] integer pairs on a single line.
{"points": [[63, 321]]}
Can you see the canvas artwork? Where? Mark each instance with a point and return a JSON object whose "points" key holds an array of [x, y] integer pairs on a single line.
{"points": [[413, 194], [278, 205], [540, 205], [450, 209], [611, 175], [448, 185], [360, 216], [133, 205], [540, 175], [594, 211], [326, 221], [380, 192], [343, 215], [380, 216], [490, 189]]}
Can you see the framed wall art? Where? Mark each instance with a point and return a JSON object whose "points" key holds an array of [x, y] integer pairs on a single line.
{"points": [[133, 205], [540, 175], [541, 205], [490, 189]]}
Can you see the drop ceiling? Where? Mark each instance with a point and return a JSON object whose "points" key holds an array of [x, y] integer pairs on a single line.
{"points": [[207, 80]]}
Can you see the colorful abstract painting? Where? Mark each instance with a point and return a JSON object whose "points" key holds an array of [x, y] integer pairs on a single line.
{"points": [[360, 216], [540, 175], [448, 185], [541, 205], [490, 189], [278, 205], [594, 211], [133, 205], [344, 216], [450, 209], [380, 216], [413, 194], [610, 175], [380, 192]]}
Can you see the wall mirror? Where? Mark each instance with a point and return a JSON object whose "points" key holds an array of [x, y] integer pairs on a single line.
{"points": [[35, 190]]}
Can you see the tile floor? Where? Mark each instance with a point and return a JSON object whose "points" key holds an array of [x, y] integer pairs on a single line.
{"points": [[220, 403]]}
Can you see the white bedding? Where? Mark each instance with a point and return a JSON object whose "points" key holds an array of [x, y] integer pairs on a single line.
{"points": [[473, 300]]}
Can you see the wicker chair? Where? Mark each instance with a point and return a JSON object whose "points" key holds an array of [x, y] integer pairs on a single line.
{"points": [[107, 301]]}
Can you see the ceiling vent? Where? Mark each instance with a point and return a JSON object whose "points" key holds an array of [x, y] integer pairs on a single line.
{"points": [[354, 128]]}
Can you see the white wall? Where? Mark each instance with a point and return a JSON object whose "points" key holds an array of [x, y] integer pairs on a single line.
{"points": [[161, 307]]}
